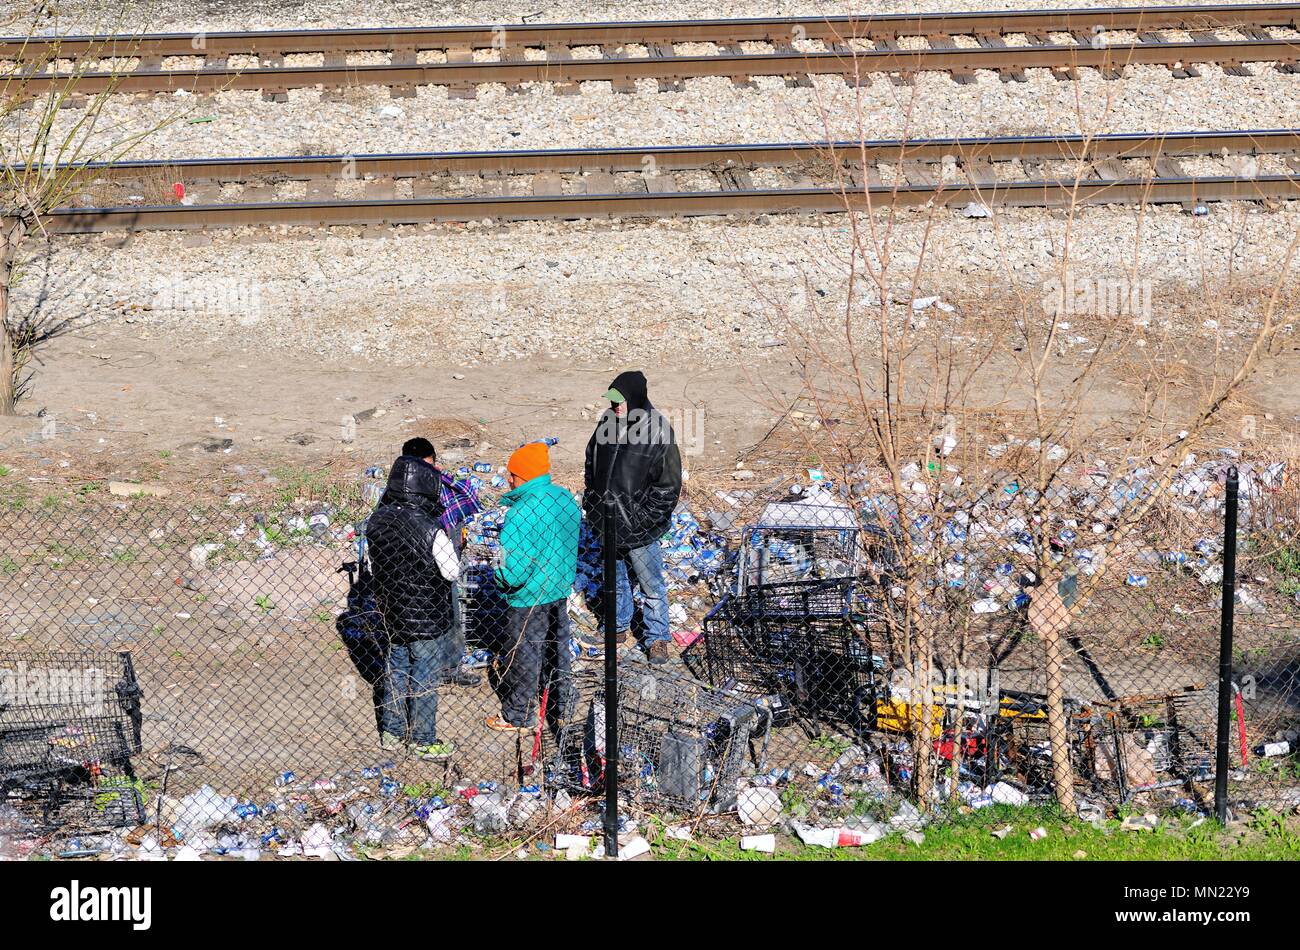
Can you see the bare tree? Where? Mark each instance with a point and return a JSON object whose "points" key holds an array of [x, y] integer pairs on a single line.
{"points": [[908, 391], [47, 135]]}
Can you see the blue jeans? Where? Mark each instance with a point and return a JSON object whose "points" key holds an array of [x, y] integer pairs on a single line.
{"points": [[412, 673], [646, 565]]}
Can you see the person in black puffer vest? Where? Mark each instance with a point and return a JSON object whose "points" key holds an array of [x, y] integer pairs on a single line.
{"points": [[414, 566], [633, 458]]}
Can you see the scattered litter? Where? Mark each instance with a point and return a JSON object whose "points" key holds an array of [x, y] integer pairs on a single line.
{"points": [[1140, 823], [759, 806], [633, 849]]}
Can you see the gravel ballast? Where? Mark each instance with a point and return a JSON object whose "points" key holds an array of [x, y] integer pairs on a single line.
{"points": [[709, 111], [706, 288], [181, 15]]}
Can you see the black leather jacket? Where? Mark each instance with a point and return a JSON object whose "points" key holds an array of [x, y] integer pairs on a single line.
{"points": [[413, 597], [637, 462]]}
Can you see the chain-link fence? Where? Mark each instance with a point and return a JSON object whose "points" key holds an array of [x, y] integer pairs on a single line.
{"points": [[421, 660]]}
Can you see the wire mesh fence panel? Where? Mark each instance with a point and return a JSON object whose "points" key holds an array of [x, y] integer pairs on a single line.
{"points": [[420, 661], [1264, 706]]}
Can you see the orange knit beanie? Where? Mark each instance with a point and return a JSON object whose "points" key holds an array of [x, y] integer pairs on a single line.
{"points": [[529, 461]]}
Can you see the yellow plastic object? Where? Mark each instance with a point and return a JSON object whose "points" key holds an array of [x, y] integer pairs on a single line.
{"points": [[895, 715]]}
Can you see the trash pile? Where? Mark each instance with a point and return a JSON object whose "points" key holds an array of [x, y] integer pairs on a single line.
{"points": [[269, 534], [361, 813]]}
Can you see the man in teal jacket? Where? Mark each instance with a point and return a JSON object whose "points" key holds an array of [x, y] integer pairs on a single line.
{"points": [[536, 569]]}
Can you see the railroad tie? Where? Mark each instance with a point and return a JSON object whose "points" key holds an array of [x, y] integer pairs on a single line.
{"points": [[204, 193], [272, 59], [1166, 167], [794, 80], [423, 189], [624, 86], [1229, 68], [898, 77], [492, 185], [868, 177], [944, 41], [1006, 74], [321, 189], [979, 171], [513, 54], [660, 184], [1109, 169], [559, 53], [334, 59], [862, 78], [1107, 70], [600, 183], [735, 178], [920, 174], [258, 191], [740, 80], [546, 184], [461, 89], [381, 189], [1059, 73], [403, 56], [666, 51], [1179, 70]]}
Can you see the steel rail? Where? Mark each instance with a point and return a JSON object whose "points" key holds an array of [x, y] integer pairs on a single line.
{"points": [[758, 201], [961, 60], [686, 157], [284, 42]]}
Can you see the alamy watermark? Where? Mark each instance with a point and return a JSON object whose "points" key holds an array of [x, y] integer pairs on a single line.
{"points": [[241, 299], [974, 689], [80, 690], [660, 427], [1097, 296]]}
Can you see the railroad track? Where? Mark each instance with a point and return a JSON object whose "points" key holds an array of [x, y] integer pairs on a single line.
{"points": [[461, 58], [1189, 168]]}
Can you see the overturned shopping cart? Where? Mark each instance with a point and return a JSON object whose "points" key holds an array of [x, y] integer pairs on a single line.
{"points": [[69, 724]]}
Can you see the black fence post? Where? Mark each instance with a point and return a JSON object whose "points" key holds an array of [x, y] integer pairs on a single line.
{"points": [[1221, 764], [609, 601]]}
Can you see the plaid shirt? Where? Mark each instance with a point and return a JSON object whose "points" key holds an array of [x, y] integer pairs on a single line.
{"points": [[459, 502]]}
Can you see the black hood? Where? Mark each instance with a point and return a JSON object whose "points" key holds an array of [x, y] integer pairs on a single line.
{"points": [[414, 481], [632, 385]]}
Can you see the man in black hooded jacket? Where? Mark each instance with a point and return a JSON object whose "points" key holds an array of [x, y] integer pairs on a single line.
{"points": [[414, 566], [633, 458]]}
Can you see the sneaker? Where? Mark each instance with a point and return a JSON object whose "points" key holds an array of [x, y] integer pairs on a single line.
{"points": [[465, 678], [594, 638], [500, 725], [434, 751], [391, 743], [657, 651]]}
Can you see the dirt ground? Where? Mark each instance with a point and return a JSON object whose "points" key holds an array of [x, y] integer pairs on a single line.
{"points": [[129, 407]]}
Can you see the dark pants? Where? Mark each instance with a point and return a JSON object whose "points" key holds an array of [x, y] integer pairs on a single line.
{"points": [[412, 673], [539, 656]]}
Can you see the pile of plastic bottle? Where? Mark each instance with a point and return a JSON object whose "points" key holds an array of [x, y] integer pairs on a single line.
{"points": [[690, 552]]}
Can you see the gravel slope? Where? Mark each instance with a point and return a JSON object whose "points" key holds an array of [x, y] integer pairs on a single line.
{"points": [[183, 15], [708, 111], [710, 289]]}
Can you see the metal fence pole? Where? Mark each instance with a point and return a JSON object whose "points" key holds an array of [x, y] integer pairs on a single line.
{"points": [[609, 600], [1221, 764]]}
